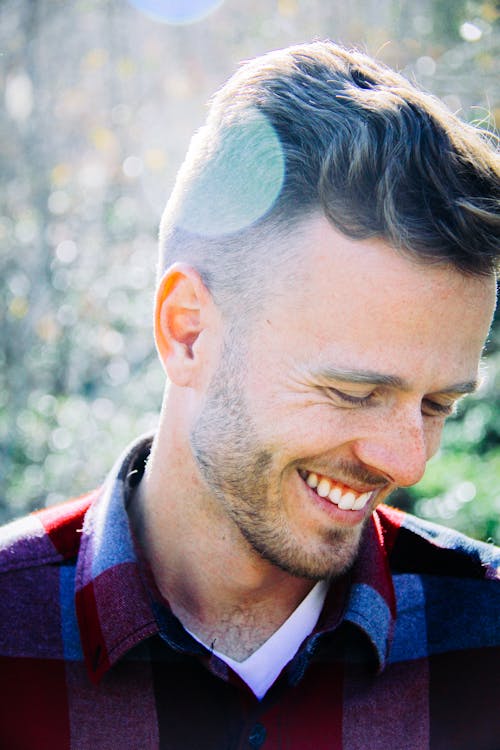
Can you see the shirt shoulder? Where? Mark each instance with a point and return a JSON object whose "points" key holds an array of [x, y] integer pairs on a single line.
{"points": [[446, 587], [416, 546], [37, 578], [48, 536]]}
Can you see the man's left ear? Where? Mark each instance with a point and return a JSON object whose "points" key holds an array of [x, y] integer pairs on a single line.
{"points": [[184, 310]]}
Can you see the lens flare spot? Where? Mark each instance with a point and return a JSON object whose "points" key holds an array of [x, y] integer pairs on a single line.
{"points": [[177, 12], [238, 181]]}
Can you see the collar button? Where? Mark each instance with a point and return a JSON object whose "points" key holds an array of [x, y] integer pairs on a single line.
{"points": [[257, 736]]}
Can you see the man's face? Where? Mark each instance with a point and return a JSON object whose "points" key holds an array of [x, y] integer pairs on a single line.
{"points": [[338, 395]]}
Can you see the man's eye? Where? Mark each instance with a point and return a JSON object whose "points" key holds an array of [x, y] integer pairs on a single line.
{"points": [[434, 409], [349, 399]]}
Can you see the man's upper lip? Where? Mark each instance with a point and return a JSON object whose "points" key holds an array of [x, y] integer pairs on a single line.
{"points": [[353, 485]]}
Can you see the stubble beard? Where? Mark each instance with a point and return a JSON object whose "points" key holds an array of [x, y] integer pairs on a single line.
{"points": [[237, 470]]}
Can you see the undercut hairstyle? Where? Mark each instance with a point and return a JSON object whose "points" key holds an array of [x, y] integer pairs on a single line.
{"points": [[319, 129]]}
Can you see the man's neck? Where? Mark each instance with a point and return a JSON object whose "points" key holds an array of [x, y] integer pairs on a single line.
{"points": [[216, 584]]}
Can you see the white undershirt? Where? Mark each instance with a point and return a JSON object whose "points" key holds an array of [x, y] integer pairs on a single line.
{"points": [[261, 668]]}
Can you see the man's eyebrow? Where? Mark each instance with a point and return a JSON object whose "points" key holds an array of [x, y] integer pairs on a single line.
{"points": [[361, 376], [393, 381], [470, 386]]}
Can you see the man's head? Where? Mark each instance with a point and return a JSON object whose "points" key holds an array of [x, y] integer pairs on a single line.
{"points": [[333, 240], [318, 129], [289, 431]]}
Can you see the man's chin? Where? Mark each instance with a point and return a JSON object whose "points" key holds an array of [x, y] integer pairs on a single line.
{"points": [[333, 559]]}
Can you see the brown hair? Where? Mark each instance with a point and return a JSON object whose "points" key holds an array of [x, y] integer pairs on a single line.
{"points": [[316, 127]]}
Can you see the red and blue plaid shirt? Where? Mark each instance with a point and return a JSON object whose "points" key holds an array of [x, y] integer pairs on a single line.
{"points": [[405, 653]]}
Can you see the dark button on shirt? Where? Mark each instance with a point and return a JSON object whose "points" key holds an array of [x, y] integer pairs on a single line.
{"points": [[257, 736]]}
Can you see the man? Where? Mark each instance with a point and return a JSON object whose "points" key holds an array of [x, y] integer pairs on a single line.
{"points": [[326, 285]]}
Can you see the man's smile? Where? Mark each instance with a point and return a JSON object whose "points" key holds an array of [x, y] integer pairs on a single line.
{"points": [[344, 496]]}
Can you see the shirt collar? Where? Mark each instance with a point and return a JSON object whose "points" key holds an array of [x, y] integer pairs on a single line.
{"points": [[112, 602], [115, 610], [364, 598], [371, 604]]}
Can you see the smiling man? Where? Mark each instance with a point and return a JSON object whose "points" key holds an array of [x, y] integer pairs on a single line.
{"points": [[326, 285]]}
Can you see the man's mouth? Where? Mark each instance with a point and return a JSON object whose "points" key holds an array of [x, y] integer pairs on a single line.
{"points": [[346, 498]]}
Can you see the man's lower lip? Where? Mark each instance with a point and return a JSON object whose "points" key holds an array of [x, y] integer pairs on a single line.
{"points": [[347, 517]]}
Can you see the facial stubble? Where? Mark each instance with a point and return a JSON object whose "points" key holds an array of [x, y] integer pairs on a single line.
{"points": [[240, 474]]}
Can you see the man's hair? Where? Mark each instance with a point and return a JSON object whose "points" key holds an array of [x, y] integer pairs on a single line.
{"points": [[316, 128]]}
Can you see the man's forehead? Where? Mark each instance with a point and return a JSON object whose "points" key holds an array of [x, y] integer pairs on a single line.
{"points": [[321, 252]]}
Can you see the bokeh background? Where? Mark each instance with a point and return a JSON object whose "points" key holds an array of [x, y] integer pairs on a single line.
{"points": [[99, 100]]}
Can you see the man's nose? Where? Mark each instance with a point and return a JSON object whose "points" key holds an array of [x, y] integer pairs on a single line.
{"points": [[399, 449]]}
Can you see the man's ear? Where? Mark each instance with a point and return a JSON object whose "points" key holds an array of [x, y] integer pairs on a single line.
{"points": [[182, 312]]}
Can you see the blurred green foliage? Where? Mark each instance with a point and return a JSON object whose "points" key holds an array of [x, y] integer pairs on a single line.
{"points": [[99, 105]]}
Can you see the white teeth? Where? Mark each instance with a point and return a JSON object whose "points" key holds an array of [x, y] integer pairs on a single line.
{"points": [[361, 501], [323, 488], [335, 495], [312, 480], [347, 500]]}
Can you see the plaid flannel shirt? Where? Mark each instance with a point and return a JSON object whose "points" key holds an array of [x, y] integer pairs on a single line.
{"points": [[404, 655]]}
